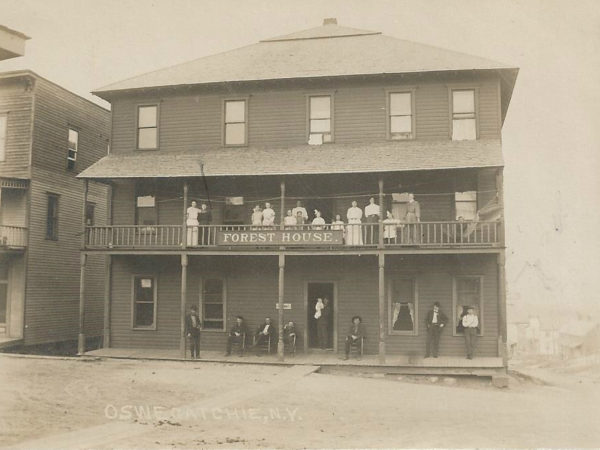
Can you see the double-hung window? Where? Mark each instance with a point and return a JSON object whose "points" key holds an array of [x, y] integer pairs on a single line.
{"points": [[3, 132], [320, 119], [401, 123], [213, 304], [236, 130], [72, 148], [144, 302], [52, 217], [464, 118], [147, 127]]}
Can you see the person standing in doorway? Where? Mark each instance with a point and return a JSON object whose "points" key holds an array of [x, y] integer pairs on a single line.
{"points": [[470, 323], [436, 321], [192, 331], [323, 325]]}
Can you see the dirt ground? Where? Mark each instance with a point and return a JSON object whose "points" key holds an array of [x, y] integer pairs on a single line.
{"points": [[154, 404]]}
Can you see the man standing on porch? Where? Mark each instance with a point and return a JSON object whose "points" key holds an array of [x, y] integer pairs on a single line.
{"points": [[323, 325], [192, 331], [436, 321], [470, 323]]}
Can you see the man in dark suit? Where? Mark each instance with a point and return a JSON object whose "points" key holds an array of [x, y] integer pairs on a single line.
{"points": [[356, 334], [237, 335], [192, 331], [323, 325], [436, 321], [263, 333]]}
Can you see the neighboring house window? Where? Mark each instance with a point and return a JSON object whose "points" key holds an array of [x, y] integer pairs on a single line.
{"points": [[467, 293], [52, 218], [90, 209], [147, 127], [73, 146], [213, 304], [144, 302], [235, 122], [465, 205], [464, 121], [401, 115], [403, 307], [3, 132], [319, 124]]}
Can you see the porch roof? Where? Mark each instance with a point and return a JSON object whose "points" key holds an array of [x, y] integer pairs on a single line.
{"points": [[390, 156]]}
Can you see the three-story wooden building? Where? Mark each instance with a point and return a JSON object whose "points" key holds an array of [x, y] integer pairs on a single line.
{"points": [[325, 116]]}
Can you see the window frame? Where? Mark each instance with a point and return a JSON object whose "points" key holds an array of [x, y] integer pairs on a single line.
{"points": [[137, 126], [466, 87], [91, 205], [388, 111], [480, 316], [154, 278], [145, 191], [55, 235], [391, 285], [331, 96], [224, 123], [3, 136], [69, 149], [201, 283]]}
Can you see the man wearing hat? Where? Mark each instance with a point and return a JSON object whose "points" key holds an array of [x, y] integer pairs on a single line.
{"points": [[436, 321], [192, 331]]}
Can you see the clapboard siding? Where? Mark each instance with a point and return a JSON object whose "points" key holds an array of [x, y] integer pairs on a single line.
{"points": [[16, 100], [278, 116], [252, 286]]}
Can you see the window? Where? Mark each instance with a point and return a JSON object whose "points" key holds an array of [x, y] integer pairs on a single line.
{"points": [[90, 209], [52, 218], [464, 122], [319, 124], [235, 122], [146, 211], [467, 293], [147, 131], [213, 304], [465, 205], [401, 115], [402, 307], [144, 302], [72, 147], [3, 132]]}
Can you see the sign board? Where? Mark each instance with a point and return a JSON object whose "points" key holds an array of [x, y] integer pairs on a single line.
{"points": [[280, 237], [285, 306]]}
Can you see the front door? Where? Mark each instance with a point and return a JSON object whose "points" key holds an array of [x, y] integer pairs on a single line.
{"points": [[320, 330]]}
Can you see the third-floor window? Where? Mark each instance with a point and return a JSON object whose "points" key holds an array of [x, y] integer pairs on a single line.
{"points": [[235, 132], [319, 123], [401, 115], [464, 119], [147, 127]]}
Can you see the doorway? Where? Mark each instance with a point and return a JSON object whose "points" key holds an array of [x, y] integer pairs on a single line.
{"points": [[314, 291]]}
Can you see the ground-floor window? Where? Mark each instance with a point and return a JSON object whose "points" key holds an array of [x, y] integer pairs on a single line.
{"points": [[467, 292], [144, 302], [213, 304], [402, 307]]}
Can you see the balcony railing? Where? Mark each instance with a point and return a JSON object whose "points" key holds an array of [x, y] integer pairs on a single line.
{"points": [[13, 237], [421, 234]]}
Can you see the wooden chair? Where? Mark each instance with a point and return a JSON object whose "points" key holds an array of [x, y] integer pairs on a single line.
{"points": [[266, 345], [239, 344], [290, 346], [357, 347]]}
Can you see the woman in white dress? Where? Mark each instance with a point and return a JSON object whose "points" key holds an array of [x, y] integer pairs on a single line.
{"points": [[338, 224], [192, 224], [354, 231], [318, 221], [257, 217], [390, 228]]}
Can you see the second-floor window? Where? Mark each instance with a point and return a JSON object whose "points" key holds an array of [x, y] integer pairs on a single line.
{"points": [[319, 123], [52, 218], [235, 132], [401, 115], [146, 213], [90, 212], [464, 120], [72, 147], [147, 127], [465, 205], [3, 132]]}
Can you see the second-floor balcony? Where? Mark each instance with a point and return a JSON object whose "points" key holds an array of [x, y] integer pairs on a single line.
{"points": [[450, 234], [12, 237]]}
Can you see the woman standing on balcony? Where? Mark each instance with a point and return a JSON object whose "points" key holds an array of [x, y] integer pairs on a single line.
{"points": [[354, 233], [413, 215], [257, 217], [318, 221], [192, 225]]}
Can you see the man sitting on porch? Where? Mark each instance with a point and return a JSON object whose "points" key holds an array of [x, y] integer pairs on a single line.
{"points": [[263, 333], [237, 335], [356, 334]]}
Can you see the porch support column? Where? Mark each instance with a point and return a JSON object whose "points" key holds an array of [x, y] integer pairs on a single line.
{"points": [[502, 338], [282, 204], [381, 213], [381, 308], [184, 266], [500, 193], [280, 306], [83, 262], [184, 225], [107, 275]]}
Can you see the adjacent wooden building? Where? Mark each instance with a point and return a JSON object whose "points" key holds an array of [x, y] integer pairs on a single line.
{"points": [[325, 116], [48, 135]]}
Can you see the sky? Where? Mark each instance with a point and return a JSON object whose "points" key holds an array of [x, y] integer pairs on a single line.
{"points": [[550, 137]]}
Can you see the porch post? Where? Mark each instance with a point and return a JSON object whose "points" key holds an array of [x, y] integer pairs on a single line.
{"points": [[83, 262], [381, 213], [107, 276], [381, 308], [184, 265], [500, 193], [280, 306], [502, 339], [282, 204], [184, 225]]}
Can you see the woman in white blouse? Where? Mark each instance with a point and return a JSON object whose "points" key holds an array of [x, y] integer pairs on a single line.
{"points": [[354, 231]]}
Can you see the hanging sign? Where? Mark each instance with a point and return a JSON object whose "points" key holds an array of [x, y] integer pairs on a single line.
{"points": [[280, 237]]}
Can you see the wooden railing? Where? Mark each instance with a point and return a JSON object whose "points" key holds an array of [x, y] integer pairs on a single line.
{"points": [[13, 237], [421, 234]]}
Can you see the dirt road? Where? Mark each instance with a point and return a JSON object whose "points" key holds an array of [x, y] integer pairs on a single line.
{"points": [[152, 404]]}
